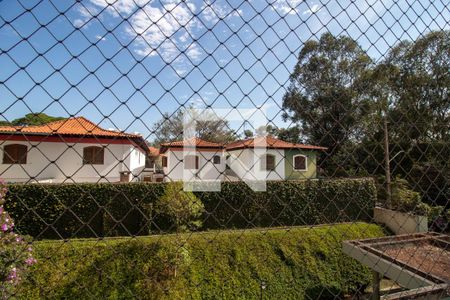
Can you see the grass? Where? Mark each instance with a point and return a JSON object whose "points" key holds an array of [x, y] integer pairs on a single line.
{"points": [[294, 262]]}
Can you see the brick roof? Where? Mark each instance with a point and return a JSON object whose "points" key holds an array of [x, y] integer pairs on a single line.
{"points": [[78, 126], [153, 151], [270, 143], [197, 142]]}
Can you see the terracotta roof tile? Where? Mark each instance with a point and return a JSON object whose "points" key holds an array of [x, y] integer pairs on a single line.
{"points": [[197, 142], [271, 143], [153, 151], [72, 126]]}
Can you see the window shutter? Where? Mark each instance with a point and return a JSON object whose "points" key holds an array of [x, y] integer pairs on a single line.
{"points": [[15, 154], [216, 159], [164, 161], [270, 162], [300, 163], [93, 155]]}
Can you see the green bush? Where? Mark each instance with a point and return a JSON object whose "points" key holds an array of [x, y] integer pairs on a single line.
{"points": [[95, 210], [295, 264], [183, 207], [81, 210], [288, 203]]}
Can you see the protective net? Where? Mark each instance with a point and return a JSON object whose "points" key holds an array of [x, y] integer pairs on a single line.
{"points": [[279, 149]]}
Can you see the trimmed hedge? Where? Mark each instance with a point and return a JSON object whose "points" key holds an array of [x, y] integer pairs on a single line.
{"points": [[81, 210], [288, 203], [95, 210], [297, 263]]}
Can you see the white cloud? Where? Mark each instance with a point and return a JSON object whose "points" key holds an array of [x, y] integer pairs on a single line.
{"points": [[286, 6], [99, 37], [85, 14], [164, 28], [312, 9], [212, 12], [197, 102]]}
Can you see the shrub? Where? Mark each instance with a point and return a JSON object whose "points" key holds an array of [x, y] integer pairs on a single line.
{"points": [[289, 203], [405, 199], [184, 208], [96, 210], [301, 263], [15, 253]]}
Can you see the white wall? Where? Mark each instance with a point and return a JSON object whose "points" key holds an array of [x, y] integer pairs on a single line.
{"points": [[399, 222], [58, 162], [246, 163], [207, 169]]}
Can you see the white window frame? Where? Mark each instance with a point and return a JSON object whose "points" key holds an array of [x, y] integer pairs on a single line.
{"points": [[306, 162]]}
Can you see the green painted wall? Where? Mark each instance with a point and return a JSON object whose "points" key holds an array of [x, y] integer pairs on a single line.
{"points": [[290, 173]]}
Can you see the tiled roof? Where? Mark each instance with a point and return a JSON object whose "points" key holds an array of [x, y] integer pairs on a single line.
{"points": [[271, 143], [153, 151], [197, 142], [79, 126]]}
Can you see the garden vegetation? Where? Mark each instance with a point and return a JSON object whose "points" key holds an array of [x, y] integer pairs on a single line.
{"points": [[298, 263], [95, 210]]}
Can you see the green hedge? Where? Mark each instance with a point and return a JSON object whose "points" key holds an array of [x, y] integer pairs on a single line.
{"points": [[299, 263], [81, 210], [287, 203], [93, 210]]}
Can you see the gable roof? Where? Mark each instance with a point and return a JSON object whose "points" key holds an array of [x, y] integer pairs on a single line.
{"points": [[78, 126], [153, 151], [71, 128], [270, 143], [197, 142]]}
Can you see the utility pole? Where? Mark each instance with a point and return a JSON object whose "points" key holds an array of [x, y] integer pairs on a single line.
{"points": [[387, 162]]}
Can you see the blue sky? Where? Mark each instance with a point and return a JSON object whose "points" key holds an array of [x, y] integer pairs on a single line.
{"points": [[123, 63]]}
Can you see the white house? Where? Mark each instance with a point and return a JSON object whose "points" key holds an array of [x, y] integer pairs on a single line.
{"points": [[261, 158], [271, 159], [192, 159], [70, 150]]}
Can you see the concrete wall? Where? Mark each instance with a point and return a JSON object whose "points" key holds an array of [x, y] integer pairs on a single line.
{"points": [[61, 162], [399, 222], [311, 164], [207, 169], [246, 163]]}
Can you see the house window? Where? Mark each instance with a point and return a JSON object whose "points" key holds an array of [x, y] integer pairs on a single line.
{"points": [[268, 162], [15, 154], [300, 163], [164, 161], [191, 162], [216, 159], [93, 155]]}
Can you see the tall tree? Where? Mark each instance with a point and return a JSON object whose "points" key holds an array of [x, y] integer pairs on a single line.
{"points": [[35, 119], [291, 134], [420, 88], [215, 129], [326, 96]]}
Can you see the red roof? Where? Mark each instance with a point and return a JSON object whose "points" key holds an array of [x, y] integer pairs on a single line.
{"points": [[270, 143], [153, 151], [73, 126], [193, 142]]}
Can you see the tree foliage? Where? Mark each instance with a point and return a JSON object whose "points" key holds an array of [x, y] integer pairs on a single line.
{"points": [[339, 98], [210, 128], [327, 95], [418, 80], [32, 119], [291, 134], [181, 206]]}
